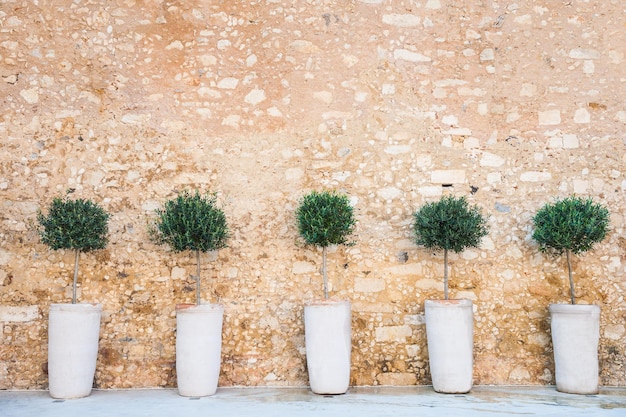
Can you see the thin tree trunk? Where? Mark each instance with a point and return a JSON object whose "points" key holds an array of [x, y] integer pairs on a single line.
{"points": [[324, 273], [197, 277], [445, 273], [571, 279], [75, 276]]}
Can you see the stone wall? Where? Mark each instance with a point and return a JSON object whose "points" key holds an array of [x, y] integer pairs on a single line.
{"points": [[395, 102]]}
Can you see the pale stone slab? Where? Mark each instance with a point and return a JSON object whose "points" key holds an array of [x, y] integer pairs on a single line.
{"points": [[582, 116], [302, 267], [178, 273], [402, 20], [580, 186], [228, 83], [487, 54], [396, 334], [429, 284], [614, 331], [399, 379], [397, 149], [550, 117], [536, 176], [5, 256], [448, 176], [583, 53], [430, 191], [389, 193], [18, 313], [255, 97], [491, 160], [31, 95], [410, 56], [570, 141], [413, 269], [369, 285]]}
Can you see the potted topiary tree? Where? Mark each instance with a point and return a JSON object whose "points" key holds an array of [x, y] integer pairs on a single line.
{"points": [[449, 224], [194, 222], [572, 226], [324, 219], [73, 329]]}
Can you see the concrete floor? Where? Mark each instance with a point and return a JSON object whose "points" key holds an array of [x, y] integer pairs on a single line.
{"points": [[361, 401]]}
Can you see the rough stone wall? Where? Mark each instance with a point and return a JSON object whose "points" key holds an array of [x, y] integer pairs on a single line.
{"points": [[395, 102]]}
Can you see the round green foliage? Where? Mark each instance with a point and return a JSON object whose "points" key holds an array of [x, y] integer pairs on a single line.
{"points": [[449, 224], [325, 218], [191, 222], [80, 225], [572, 224]]}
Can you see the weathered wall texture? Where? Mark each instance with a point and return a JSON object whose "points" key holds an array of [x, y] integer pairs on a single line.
{"points": [[395, 102]]}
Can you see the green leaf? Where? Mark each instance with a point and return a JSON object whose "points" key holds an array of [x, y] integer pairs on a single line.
{"points": [[449, 224], [572, 223], [191, 222], [74, 224], [325, 218]]}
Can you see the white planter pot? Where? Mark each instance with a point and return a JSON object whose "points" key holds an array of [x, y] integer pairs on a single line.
{"points": [[450, 337], [327, 329], [575, 336], [73, 334], [198, 348]]}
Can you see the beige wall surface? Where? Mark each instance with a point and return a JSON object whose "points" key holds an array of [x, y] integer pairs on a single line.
{"points": [[395, 102]]}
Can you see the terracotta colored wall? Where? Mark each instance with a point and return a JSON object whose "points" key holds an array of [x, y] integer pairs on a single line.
{"points": [[394, 102]]}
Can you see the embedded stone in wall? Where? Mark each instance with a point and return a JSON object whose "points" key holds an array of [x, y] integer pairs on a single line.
{"points": [[550, 117], [458, 131], [414, 320], [179, 273], [413, 269], [448, 176], [393, 333], [31, 95], [570, 141], [5, 256], [519, 374], [430, 191], [136, 119], [580, 186], [582, 53], [397, 149], [255, 97], [228, 83], [402, 20], [302, 267], [589, 67], [410, 56], [535, 176], [18, 313], [582, 116], [528, 90], [433, 4], [369, 285], [398, 379], [429, 284], [491, 160], [487, 54], [389, 193], [614, 331]]}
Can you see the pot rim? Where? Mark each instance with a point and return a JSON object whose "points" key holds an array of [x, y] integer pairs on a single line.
{"points": [[199, 308], [574, 308], [329, 302], [76, 307], [460, 302]]}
